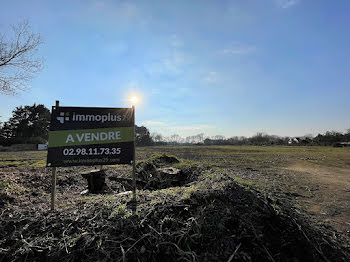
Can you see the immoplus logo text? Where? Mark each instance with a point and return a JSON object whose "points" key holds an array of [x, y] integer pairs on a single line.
{"points": [[65, 117]]}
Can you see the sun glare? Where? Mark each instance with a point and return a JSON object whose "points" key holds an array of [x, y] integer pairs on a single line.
{"points": [[134, 100]]}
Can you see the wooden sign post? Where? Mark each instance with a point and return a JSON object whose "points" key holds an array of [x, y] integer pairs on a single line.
{"points": [[53, 178], [134, 169]]}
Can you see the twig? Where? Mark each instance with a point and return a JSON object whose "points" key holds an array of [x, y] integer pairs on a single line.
{"points": [[98, 213], [124, 254], [64, 239], [119, 242], [154, 230], [319, 251], [32, 246], [234, 253], [144, 219]]}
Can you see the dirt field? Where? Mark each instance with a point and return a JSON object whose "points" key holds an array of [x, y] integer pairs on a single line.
{"points": [[289, 185], [316, 179]]}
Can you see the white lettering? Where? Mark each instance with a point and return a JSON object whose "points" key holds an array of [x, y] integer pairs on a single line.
{"points": [[87, 137], [80, 138], [97, 118], [117, 135], [80, 117], [95, 137], [90, 118], [69, 139], [104, 118], [103, 136], [111, 135]]}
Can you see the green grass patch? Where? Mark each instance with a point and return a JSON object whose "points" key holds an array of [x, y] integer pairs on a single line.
{"points": [[23, 159]]}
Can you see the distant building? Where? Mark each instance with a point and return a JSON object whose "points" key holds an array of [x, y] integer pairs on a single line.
{"points": [[294, 140], [299, 141], [42, 147]]}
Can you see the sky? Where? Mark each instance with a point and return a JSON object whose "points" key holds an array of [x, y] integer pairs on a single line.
{"points": [[231, 68]]}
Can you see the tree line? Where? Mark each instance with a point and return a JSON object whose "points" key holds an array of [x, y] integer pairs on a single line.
{"points": [[330, 138], [30, 125]]}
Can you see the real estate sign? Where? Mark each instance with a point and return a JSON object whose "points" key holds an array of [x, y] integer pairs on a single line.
{"points": [[90, 136]]}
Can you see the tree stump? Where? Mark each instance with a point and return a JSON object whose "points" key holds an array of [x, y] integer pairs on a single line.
{"points": [[169, 176], [96, 180]]}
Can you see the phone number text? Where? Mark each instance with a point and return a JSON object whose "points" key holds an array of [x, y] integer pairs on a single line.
{"points": [[91, 151]]}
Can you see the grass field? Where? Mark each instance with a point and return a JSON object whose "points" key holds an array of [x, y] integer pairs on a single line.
{"points": [[315, 181], [223, 156]]}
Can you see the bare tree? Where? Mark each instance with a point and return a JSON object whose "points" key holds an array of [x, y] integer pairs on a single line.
{"points": [[18, 63], [156, 137], [175, 138]]}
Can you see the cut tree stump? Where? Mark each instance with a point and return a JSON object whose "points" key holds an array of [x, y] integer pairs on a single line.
{"points": [[96, 180], [169, 176]]}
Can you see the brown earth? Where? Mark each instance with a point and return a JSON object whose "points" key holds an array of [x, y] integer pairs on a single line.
{"points": [[329, 199]]}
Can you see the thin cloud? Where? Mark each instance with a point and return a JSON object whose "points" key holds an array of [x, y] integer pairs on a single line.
{"points": [[211, 77], [185, 130], [193, 128], [153, 123], [239, 49], [286, 3], [177, 128], [189, 130], [173, 64]]}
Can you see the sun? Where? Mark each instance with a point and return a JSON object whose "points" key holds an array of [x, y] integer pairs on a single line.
{"points": [[134, 100]]}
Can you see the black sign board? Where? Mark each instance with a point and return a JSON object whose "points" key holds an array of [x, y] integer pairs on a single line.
{"points": [[90, 136]]}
